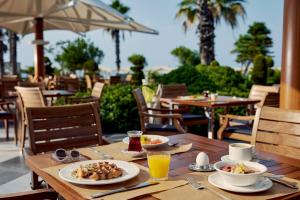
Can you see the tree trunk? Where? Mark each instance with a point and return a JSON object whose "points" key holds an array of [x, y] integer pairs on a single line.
{"points": [[1, 53], [247, 68], [206, 33], [13, 51], [117, 42]]}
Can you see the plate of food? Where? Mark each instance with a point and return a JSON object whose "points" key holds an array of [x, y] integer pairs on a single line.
{"points": [[150, 141], [99, 172]]}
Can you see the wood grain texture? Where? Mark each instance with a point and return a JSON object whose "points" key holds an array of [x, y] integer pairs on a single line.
{"points": [[278, 131], [179, 164], [68, 127]]}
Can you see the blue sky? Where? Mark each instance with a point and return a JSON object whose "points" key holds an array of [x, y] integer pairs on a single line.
{"points": [[159, 14]]}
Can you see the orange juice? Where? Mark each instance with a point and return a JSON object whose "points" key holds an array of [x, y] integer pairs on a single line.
{"points": [[159, 164]]}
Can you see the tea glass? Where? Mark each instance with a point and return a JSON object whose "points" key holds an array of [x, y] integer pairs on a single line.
{"points": [[134, 140], [159, 165]]}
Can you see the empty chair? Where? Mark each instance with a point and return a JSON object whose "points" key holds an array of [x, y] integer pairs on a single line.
{"points": [[67, 127], [41, 194], [151, 128], [277, 130], [95, 95], [71, 84], [88, 82], [40, 85], [27, 97], [7, 85], [174, 91], [8, 114], [114, 80], [240, 127]]}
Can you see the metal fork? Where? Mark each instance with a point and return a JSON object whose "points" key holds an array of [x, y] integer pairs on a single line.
{"points": [[198, 186]]}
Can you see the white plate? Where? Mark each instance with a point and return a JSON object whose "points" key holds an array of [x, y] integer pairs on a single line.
{"points": [[152, 137], [130, 171], [226, 158], [262, 184], [134, 153]]}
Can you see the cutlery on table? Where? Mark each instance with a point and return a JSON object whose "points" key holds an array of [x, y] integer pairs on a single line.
{"points": [[123, 189], [283, 182], [198, 186], [173, 144], [103, 155]]}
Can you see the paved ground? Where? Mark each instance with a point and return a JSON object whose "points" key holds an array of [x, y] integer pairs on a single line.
{"points": [[14, 175]]}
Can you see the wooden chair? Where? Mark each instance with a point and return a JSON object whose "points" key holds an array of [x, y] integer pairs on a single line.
{"points": [[95, 95], [41, 194], [114, 80], [7, 85], [88, 82], [70, 84], [161, 129], [27, 97], [278, 131], [240, 127], [40, 85], [67, 127], [7, 114], [173, 91]]}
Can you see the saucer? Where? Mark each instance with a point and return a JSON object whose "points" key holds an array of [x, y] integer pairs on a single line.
{"points": [[134, 153], [262, 184], [203, 168], [226, 158]]}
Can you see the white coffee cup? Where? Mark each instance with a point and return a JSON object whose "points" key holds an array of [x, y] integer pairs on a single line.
{"points": [[241, 151]]}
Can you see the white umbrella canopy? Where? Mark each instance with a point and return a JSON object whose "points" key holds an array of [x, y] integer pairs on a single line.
{"points": [[35, 16], [76, 15]]}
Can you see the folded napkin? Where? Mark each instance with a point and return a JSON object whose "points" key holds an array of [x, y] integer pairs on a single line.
{"points": [[86, 191], [115, 150], [187, 192]]}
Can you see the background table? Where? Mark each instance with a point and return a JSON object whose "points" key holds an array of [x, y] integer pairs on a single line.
{"points": [[179, 164], [209, 106]]}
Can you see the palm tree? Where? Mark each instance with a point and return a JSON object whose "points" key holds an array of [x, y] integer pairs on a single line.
{"points": [[13, 38], [207, 13], [3, 49], [116, 4]]}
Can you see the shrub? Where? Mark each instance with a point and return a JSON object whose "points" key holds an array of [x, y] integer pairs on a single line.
{"points": [[260, 70], [139, 61], [119, 111]]}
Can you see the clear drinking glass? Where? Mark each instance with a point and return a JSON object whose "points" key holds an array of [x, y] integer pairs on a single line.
{"points": [[159, 165], [134, 140]]}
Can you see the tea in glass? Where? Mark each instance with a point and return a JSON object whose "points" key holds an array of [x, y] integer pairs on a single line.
{"points": [[134, 140]]}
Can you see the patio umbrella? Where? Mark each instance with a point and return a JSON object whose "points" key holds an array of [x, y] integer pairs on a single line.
{"points": [[35, 16]]}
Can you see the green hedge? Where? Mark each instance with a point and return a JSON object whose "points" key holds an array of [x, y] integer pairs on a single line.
{"points": [[118, 109]]}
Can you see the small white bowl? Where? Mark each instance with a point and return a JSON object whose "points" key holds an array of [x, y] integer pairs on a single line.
{"points": [[240, 179]]}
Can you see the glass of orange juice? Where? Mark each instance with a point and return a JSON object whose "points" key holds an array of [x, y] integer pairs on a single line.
{"points": [[159, 164]]}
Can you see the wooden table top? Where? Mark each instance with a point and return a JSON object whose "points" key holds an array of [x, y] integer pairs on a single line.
{"points": [[56, 93], [179, 165], [221, 101]]}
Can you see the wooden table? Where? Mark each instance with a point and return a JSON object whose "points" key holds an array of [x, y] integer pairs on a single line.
{"points": [[209, 106], [56, 94], [214, 148]]}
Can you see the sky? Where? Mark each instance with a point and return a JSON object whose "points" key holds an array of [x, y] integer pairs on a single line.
{"points": [[160, 15]]}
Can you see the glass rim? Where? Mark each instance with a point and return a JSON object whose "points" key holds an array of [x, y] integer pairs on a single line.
{"points": [[158, 153]]}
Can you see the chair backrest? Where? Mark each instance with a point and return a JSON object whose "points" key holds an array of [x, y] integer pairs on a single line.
{"points": [[115, 80], [278, 131], [97, 90], [31, 96], [40, 85], [7, 85], [67, 127], [88, 81], [260, 92], [140, 100], [71, 84], [172, 90]]}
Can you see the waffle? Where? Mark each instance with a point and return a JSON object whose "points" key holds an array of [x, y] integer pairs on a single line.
{"points": [[98, 171]]}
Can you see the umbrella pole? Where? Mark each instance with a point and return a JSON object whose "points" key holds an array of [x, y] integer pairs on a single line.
{"points": [[39, 69]]}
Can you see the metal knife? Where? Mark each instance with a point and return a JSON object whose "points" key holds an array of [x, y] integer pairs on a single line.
{"points": [[123, 189], [284, 182]]}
